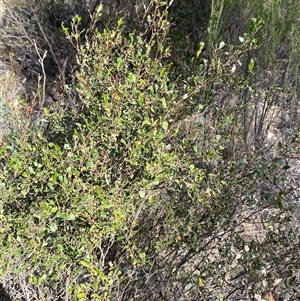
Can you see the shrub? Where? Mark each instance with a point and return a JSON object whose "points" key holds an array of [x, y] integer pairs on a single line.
{"points": [[149, 187]]}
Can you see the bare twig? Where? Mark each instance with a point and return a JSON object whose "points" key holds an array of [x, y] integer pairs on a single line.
{"points": [[67, 285], [48, 43], [41, 61]]}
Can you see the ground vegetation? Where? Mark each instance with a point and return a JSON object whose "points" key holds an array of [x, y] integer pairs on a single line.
{"points": [[149, 150]]}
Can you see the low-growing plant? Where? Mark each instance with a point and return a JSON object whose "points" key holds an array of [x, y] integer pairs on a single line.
{"points": [[148, 188]]}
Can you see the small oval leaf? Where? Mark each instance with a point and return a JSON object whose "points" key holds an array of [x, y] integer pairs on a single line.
{"points": [[53, 227], [165, 125]]}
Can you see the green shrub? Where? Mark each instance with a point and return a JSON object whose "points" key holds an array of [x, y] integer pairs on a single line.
{"points": [[148, 189]]}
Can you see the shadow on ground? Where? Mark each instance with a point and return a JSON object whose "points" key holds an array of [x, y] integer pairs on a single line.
{"points": [[3, 294]]}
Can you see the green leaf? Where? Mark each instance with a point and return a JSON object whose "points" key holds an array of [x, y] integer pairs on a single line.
{"points": [[131, 77], [60, 248], [251, 65], [119, 61], [66, 216], [99, 9], [142, 194], [53, 227], [120, 22], [30, 170], [46, 112], [165, 125], [85, 264], [201, 46], [253, 24], [146, 122]]}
